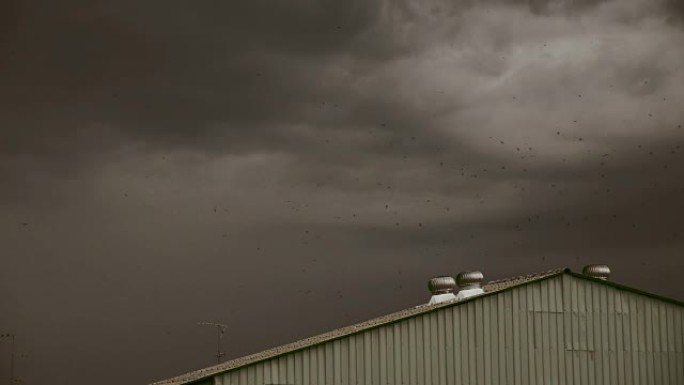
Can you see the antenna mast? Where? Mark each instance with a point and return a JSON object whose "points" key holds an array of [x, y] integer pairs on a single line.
{"points": [[220, 329], [11, 337]]}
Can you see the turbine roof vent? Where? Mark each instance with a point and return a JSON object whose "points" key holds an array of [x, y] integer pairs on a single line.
{"points": [[597, 271], [469, 279], [442, 289], [441, 285], [470, 284]]}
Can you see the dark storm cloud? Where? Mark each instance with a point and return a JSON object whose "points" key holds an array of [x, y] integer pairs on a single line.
{"points": [[164, 163], [224, 78], [214, 79], [72, 73], [184, 68], [170, 74], [675, 11]]}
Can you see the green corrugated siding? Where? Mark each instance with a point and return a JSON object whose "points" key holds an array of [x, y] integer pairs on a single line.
{"points": [[562, 330]]}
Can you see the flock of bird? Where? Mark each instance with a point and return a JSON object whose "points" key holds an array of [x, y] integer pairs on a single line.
{"points": [[522, 178]]}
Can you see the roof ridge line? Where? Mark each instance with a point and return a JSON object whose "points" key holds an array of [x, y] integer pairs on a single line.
{"points": [[530, 276]]}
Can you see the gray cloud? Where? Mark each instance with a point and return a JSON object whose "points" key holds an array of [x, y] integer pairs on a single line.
{"points": [[168, 163]]}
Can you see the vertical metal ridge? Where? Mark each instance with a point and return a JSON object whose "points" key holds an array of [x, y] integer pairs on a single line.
{"points": [[486, 340], [529, 343], [382, 356], [463, 334], [434, 348], [320, 359], [544, 314], [560, 338], [497, 373], [449, 347], [342, 372], [472, 358], [479, 341], [567, 329], [442, 347], [242, 377], [397, 380], [351, 361]]}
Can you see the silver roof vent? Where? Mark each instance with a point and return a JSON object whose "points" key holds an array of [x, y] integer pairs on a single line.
{"points": [[470, 284], [442, 289], [597, 271]]}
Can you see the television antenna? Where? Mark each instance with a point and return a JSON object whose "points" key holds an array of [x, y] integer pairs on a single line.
{"points": [[11, 336], [220, 329]]}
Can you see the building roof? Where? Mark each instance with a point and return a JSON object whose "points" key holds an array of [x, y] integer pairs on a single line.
{"points": [[489, 288]]}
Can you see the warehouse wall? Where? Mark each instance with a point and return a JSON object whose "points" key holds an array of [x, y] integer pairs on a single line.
{"points": [[563, 330]]}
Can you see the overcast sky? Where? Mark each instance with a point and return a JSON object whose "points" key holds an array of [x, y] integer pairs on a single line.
{"points": [[288, 168]]}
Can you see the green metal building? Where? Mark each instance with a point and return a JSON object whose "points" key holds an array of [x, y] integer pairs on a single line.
{"points": [[557, 327]]}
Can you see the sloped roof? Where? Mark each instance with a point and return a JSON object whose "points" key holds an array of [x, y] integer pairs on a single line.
{"points": [[491, 287]]}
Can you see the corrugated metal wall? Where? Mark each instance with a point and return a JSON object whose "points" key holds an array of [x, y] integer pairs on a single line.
{"points": [[562, 330]]}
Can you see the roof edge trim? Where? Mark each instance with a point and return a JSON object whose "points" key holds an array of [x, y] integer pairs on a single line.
{"points": [[626, 288]]}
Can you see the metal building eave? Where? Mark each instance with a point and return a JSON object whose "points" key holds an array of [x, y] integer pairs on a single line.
{"points": [[625, 288]]}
